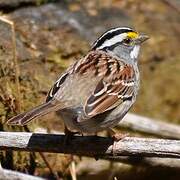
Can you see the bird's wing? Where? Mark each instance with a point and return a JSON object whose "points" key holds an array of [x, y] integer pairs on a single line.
{"points": [[38, 111], [115, 86], [57, 85], [109, 93]]}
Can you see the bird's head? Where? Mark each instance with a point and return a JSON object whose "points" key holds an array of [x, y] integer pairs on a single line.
{"points": [[124, 42]]}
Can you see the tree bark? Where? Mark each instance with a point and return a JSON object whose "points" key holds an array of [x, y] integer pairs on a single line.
{"points": [[150, 126], [10, 175], [92, 146]]}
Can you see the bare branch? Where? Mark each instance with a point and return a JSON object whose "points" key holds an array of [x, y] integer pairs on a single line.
{"points": [[91, 146], [173, 4], [141, 161], [150, 126], [89, 166], [9, 175]]}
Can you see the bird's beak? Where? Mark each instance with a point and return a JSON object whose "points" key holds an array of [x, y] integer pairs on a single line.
{"points": [[141, 38]]}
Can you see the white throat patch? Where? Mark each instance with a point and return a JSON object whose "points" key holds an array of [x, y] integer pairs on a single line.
{"points": [[134, 53]]}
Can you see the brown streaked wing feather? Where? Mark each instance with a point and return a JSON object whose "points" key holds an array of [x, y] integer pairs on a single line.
{"points": [[99, 104], [115, 86], [41, 110]]}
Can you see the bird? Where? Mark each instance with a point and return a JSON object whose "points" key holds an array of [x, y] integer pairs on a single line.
{"points": [[96, 91]]}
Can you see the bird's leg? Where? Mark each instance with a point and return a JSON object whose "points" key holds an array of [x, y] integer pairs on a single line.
{"points": [[68, 132], [116, 137], [68, 135]]}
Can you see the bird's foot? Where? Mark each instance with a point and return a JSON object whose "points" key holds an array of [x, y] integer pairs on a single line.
{"points": [[119, 136], [68, 136], [116, 137]]}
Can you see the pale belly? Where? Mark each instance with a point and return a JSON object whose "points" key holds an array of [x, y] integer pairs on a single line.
{"points": [[98, 123]]}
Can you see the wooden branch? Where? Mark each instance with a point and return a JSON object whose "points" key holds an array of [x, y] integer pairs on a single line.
{"points": [[92, 146], [9, 175], [150, 126], [149, 161], [173, 4], [90, 166], [141, 161]]}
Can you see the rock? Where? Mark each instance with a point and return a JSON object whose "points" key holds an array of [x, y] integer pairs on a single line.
{"points": [[5, 4]]}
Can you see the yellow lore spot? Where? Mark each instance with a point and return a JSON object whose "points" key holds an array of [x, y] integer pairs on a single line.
{"points": [[132, 35]]}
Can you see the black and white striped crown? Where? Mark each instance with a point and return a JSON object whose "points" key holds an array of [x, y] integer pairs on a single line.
{"points": [[111, 37]]}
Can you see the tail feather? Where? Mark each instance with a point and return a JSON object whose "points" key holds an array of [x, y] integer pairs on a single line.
{"points": [[23, 118]]}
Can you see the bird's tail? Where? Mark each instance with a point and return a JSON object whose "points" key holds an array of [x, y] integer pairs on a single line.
{"points": [[23, 118]]}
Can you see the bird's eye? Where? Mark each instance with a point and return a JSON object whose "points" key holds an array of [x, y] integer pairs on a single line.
{"points": [[127, 41]]}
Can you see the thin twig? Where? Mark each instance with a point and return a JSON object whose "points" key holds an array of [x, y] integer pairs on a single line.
{"points": [[49, 166], [73, 170]]}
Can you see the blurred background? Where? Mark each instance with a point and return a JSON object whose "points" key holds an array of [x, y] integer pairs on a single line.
{"points": [[52, 34]]}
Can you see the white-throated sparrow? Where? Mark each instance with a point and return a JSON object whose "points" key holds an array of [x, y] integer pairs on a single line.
{"points": [[98, 90]]}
